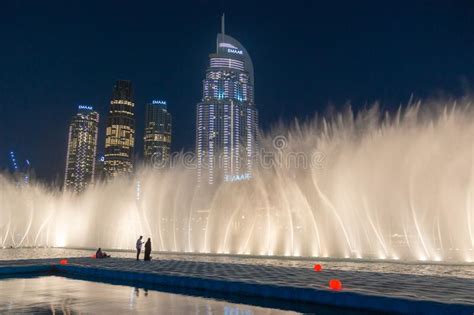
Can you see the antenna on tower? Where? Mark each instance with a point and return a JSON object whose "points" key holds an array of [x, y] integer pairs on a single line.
{"points": [[223, 24]]}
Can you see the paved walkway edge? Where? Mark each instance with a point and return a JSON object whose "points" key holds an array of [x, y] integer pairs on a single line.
{"points": [[12, 270], [342, 298]]}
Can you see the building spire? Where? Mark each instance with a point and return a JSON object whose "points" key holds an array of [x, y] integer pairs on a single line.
{"points": [[223, 24]]}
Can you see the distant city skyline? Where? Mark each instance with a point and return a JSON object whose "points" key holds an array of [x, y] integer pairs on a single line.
{"points": [[309, 57]]}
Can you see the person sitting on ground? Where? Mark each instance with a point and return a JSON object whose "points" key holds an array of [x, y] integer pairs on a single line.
{"points": [[100, 254], [148, 249]]}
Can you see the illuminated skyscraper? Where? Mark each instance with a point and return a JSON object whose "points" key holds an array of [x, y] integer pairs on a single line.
{"points": [[81, 149], [226, 118], [120, 132], [157, 139]]}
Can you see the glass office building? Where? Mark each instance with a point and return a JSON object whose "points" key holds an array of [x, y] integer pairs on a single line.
{"points": [[81, 149], [226, 118], [120, 131], [157, 139]]}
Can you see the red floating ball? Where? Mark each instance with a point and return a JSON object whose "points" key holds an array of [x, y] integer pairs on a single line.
{"points": [[63, 262], [317, 267], [93, 256], [335, 284]]}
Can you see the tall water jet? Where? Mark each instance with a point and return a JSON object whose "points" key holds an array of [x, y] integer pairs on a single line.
{"points": [[354, 185]]}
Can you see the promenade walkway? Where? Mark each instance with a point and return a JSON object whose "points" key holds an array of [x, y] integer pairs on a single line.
{"points": [[387, 292]]}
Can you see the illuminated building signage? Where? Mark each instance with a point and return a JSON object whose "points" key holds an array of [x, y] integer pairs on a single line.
{"points": [[235, 51], [236, 178], [158, 102], [85, 107]]}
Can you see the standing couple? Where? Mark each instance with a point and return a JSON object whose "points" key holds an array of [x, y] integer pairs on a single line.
{"points": [[147, 248]]}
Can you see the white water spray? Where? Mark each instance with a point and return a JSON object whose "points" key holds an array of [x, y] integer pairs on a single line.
{"points": [[386, 188]]}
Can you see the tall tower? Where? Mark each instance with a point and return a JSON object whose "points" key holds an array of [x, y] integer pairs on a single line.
{"points": [[157, 139], [120, 132], [81, 149], [226, 117]]}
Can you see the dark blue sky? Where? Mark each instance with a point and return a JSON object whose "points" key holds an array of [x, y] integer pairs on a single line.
{"points": [[55, 55]]}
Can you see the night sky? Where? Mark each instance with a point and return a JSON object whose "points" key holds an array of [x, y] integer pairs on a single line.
{"points": [[306, 54]]}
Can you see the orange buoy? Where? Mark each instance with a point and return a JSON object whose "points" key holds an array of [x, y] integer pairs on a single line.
{"points": [[335, 284], [63, 262], [317, 267]]}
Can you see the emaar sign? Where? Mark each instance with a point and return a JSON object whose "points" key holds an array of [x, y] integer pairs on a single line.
{"points": [[235, 51], [236, 178], [85, 107], [158, 102]]}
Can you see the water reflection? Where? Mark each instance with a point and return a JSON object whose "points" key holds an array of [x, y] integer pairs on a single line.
{"points": [[228, 310], [52, 294], [137, 292]]}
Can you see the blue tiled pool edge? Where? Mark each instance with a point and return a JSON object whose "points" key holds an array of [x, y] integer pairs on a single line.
{"points": [[13, 270], [353, 300]]}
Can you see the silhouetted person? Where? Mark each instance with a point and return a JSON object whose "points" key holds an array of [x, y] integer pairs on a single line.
{"points": [[101, 254], [139, 246], [148, 249], [98, 253]]}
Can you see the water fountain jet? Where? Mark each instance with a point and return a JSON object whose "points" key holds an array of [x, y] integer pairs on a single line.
{"points": [[388, 188]]}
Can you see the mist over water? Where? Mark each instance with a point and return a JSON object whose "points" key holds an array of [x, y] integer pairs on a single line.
{"points": [[354, 185]]}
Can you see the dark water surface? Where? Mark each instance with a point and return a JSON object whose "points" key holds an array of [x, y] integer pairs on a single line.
{"points": [[50, 294]]}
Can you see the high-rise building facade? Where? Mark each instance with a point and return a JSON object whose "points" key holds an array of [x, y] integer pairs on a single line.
{"points": [[157, 139], [81, 149], [226, 118], [120, 132]]}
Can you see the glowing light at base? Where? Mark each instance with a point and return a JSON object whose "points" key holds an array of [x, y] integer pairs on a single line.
{"points": [[335, 284], [391, 187]]}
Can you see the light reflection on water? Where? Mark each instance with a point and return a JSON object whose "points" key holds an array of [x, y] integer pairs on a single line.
{"points": [[51, 294], [442, 270]]}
